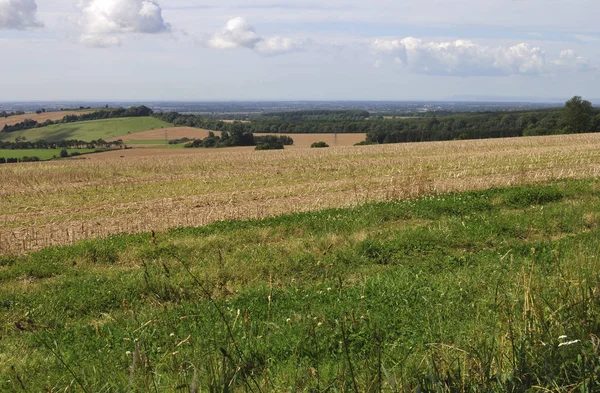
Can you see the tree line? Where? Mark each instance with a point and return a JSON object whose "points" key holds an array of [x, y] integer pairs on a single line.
{"points": [[63, 144], [238, 138], [134, 111], [577, 116]]}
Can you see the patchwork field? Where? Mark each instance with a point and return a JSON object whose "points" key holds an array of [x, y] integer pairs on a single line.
{"points": [[63, 202], [88, 130], [300, 140], [40, 118]]}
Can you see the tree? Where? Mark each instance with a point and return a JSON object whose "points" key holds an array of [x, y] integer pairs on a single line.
{"points": [[577, 115], [64, 153]]}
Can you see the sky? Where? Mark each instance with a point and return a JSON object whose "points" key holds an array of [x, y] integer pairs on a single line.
{"points": [[186, 50]]}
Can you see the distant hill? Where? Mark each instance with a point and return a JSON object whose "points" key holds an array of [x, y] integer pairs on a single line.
{"points": [[88, 130]]}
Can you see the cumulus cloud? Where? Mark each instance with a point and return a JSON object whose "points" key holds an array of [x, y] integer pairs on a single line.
{"points": [[238, 33], [568, 60], [461, 57], [104, 22], [18, 14]]}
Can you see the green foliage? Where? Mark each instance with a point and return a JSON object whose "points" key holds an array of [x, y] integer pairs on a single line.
{"points": [[578, 115], [319, 144], [446, 293]]}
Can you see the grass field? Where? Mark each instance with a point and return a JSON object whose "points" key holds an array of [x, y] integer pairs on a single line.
{"points": [[88, 130], [60, 202], [42, 154], [489, 291]]}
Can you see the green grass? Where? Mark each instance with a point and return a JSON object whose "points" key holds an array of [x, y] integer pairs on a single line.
{"points": [[88, 130], [42, 154], [449, 293]]}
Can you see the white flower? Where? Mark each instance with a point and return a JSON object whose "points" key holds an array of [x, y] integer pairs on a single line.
{"points": [[562, 337], [288, 320], [569, 343]]}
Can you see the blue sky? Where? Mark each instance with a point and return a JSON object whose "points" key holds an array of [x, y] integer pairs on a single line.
{"points": [[297, 49]]}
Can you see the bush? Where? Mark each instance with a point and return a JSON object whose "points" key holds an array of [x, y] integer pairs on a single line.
{"points": [[64, 153], [30, 159], [12, 160], [2, 160], [270, 146], [319, 144], [76, 153]]}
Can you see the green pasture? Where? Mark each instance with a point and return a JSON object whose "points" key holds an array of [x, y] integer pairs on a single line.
{"points": [[88, 130]]}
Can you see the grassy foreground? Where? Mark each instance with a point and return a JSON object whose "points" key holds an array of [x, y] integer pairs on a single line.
{"points": [[488, 291], [88, 130]]}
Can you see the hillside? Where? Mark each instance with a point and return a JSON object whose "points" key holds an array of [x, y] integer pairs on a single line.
{"points": [[88, 130]]}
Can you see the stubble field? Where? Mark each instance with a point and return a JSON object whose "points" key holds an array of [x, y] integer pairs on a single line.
{"points": [[58, 203]]}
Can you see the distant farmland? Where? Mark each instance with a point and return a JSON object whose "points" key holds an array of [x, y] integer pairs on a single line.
{"points": [[40, 118], [300, 140], [62, 202], [88, 130]]}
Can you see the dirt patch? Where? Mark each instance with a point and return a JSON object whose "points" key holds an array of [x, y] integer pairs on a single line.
{"points": [[42, 117]]}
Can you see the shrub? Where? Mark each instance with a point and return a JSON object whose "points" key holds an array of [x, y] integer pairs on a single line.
{"points": [[270, 146], [319, 144], [12, 160], [2, 160], [64, 153]]}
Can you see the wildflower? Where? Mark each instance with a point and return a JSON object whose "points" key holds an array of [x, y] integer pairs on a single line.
{"points": [[288, 320], [172, 335], [320, 324], [569, 343], [128, 353]]}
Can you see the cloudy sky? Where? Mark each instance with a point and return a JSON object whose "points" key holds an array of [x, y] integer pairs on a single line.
{"points": [[298, 49]]}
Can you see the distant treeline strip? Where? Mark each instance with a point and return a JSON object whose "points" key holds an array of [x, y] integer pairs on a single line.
{"points": [[234, 138], [64, 144], [578, 116], [134, 111]]}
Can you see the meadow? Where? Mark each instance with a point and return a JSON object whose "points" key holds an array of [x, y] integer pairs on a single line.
{"points": [[61, 202], [487, 291], [87, 130]]}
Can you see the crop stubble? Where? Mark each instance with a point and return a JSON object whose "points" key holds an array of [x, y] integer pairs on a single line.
{"points": [[57, 203]]}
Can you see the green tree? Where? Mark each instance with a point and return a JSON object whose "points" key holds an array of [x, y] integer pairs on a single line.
{"points": [[577, 115]]}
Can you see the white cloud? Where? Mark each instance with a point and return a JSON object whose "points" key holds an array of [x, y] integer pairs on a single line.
{"points": [[18, 14], [238, 33], [568, 60], [103, 22], [280, 45], [466, 58]]}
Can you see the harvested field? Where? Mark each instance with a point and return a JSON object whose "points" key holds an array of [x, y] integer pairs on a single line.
{"points": [[158, 152], [166, 134], [62, 202], [300, 140], [42, 117]]}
